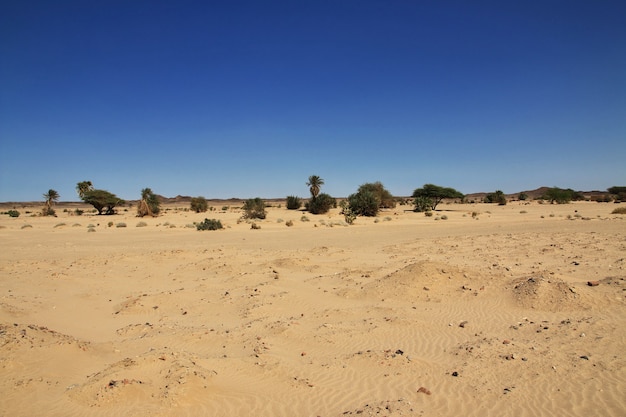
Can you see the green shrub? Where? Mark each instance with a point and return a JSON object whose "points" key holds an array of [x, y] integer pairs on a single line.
{"points": [[79, 212], [618, 192], [293, 202], [254, 208], [304, 219], [497, 197], [422, 204], [13, 213], [209, 224], [364, 203], [199, 204], [289, 223], [48, 211], [321, 204]]}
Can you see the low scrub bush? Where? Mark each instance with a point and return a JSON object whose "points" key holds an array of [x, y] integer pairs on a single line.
{"points": [[321, 204], [254, 208], [120, 224], [293, 202], [13, 213], [142, 224], [199, 204], [209, 224], [619, 210]]}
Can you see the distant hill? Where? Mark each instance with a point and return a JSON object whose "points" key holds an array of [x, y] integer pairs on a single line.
{"points": [[537, 193]]}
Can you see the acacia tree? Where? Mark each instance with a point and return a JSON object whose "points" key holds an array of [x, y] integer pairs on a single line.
{"points": [[432, 195], [149, 204], [51, 198], [102, 200], [315, 183]]}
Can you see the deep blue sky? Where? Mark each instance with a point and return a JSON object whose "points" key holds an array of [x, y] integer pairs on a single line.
{"points": [[248, 98]]}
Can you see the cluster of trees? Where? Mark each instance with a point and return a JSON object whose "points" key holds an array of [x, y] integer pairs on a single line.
{"points": [[368, 200], [562, 196]]}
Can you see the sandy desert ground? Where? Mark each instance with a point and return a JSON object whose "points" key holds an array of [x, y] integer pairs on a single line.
{"points": [[485, 313]]}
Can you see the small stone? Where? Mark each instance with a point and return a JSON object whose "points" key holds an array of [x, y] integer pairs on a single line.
{"points": [[399, 352], [463, 323], [424, 390], [506, 342], [593, 283], [303, 354], [455, 373], [585, 357]]}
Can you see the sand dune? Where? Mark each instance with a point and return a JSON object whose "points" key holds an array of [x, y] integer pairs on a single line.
{"points": [[487, 312]]}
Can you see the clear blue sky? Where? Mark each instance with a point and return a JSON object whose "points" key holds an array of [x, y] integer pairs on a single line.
{"points": [[248, 98]]}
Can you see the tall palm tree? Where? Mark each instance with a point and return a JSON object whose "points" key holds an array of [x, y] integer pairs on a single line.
{"points": [[315, 183], [51, 198], [82, 187]]}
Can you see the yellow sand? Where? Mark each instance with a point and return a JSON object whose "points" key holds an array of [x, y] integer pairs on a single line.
{"points": [[489, 312]]}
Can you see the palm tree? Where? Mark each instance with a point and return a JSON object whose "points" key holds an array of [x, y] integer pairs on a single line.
{"points": [[149, 204], [51, 198], [315, 183], [82, 187]]}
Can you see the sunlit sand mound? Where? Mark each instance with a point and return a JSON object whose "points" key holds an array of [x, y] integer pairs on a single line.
{"points": [[158, 376], [549, 294], [419, 281]]}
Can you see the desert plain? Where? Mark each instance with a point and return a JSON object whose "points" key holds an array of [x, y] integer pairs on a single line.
{"points": [[479, 310]]}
